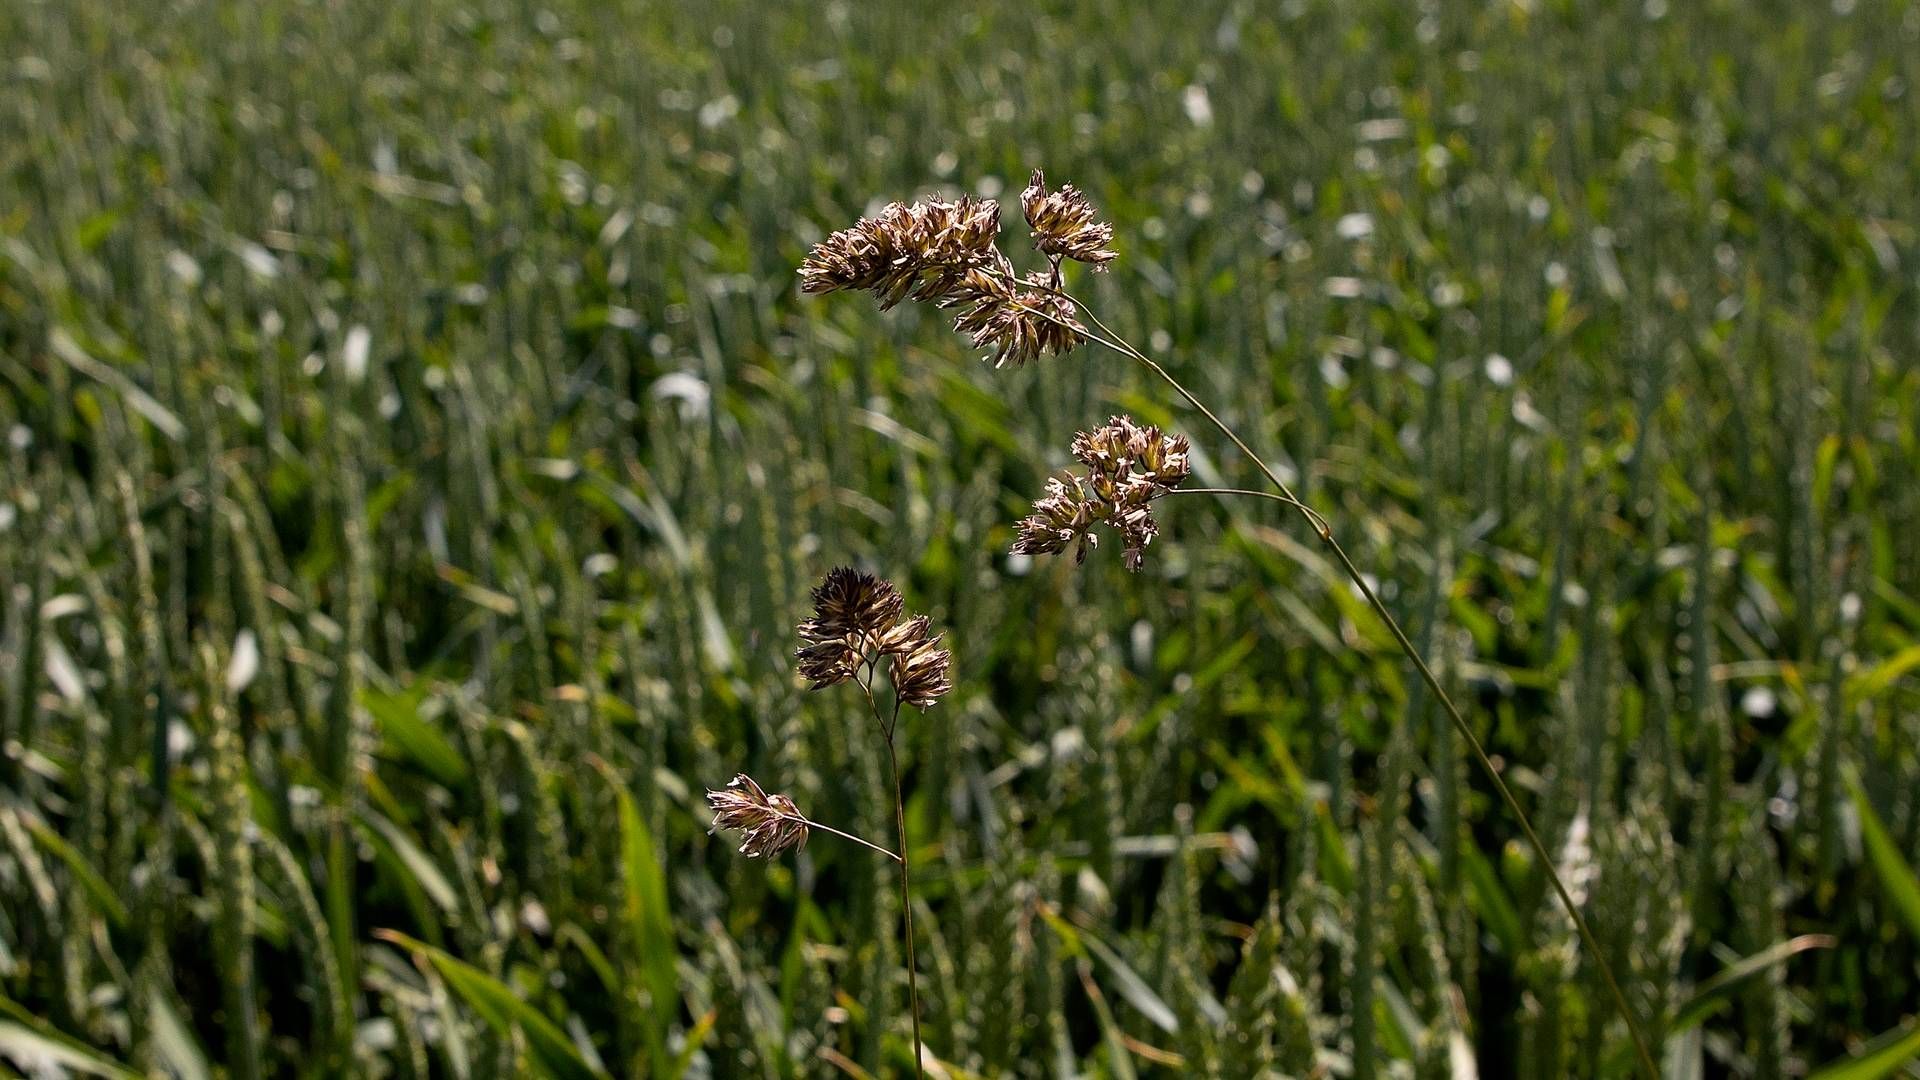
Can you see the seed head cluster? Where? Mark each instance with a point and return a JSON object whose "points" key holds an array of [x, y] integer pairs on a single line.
{"points": [[1065, 223], [857, 623], [769, 824], [920, 250], [944, 253], [1128, 466], [1018, 324]]}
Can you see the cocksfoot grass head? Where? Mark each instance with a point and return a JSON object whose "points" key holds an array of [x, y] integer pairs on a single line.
{"points": [[920, 250], [920, 673], [769, 824], [1128, 467], [1020, 320], [858, 622], [1065, 224], [945, 254]]}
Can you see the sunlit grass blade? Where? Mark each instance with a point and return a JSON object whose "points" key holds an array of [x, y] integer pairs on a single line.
{"points": [[1710, 995], [28, 1048], [502, 1009], [1878, 1059], [649, 922]]}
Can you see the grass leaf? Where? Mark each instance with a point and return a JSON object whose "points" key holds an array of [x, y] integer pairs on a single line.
{"points": [[96, 886], [502, 1009], [31, 1051], [1903, 887], [1882, 1056], [1715, 991]]}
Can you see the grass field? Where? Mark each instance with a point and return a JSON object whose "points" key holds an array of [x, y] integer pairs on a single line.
{"points": [[417, 455]]}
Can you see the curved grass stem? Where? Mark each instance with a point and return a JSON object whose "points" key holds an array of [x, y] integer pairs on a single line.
{"points": [[812, 824], [1106, 337], [1319, 523]]}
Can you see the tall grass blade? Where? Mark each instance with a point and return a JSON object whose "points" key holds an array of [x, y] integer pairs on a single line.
{"points": [[502, 1009]]}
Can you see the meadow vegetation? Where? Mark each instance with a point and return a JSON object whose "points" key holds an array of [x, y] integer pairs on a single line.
{"points": [[417, 452]]}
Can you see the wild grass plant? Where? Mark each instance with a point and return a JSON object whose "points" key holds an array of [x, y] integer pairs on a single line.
{"points": [[858, 630], [946, 254], [415, 454]]}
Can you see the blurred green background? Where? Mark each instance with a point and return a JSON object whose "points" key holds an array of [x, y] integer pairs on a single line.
{"points": [[417, 454]]}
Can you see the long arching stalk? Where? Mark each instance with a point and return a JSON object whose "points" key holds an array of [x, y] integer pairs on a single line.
{"points": [[1106, 337]]}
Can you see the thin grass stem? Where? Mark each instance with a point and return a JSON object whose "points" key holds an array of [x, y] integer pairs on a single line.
{"points": [[812, 824], [1319, 523], [887, 727]]}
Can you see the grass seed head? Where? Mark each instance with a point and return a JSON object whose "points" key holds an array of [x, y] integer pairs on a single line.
{"points": [[1128, 466], [851, 610], [769, 824], [1065, 223], [858, 621], [906, 636], [921, 673], [1021, 325], [922, 250]]}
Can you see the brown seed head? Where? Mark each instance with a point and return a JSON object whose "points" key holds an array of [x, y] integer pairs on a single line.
{"points": [[1066, 224], [905, 636], [850, 608], [769, 824], [1128, 466], [825, 663], [1020, 325], [921, 674], [849, 601], [1063, 518], [1123, 450], [923, 250], [858, 620]]}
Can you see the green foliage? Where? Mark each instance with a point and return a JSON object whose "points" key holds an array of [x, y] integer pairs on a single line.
{"points": [[414, 454], [504, 1011]]}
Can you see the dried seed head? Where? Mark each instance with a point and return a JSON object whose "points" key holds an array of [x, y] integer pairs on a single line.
{"points": [[1128, 466], [1063, 518], [921, 674], [850, 608], [825, 663], [1066, 224], [905, 636], [849, 602], [769, 824], [858, 621], [1019, 324], [944, 253], [1122, 449], [923, 250]]}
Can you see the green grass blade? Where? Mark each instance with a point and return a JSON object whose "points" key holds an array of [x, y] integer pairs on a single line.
{"points": [[1876, 679], [1119, 1057], [1716, 991], [1894, 1049], [696, 1038], [1898, 878], [649, 922], [96, 886], [28, 1048], [410, 860], [502, 1009], [176, 1043], [397, 717]]}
